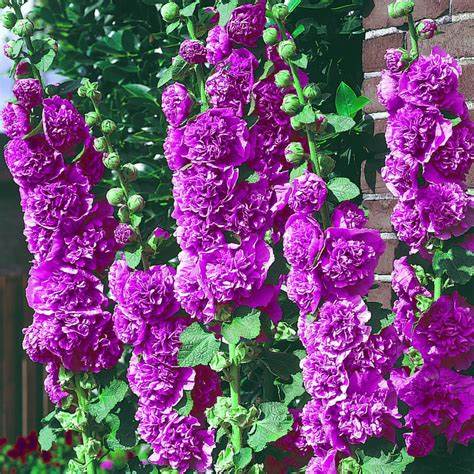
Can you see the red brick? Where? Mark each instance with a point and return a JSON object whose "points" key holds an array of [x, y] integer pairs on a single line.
{"points": [[379, 126], [369, 89], [455, 38], [382, 294], [466, 82], [374, 50], [379, 213], [378, 17], [462, 6], [385, 265]]}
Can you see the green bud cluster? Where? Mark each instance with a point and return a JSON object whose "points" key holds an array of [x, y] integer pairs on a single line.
{"points": [[90, 90], [100, 144], [169, 12], [270, 36], [283, 79], [3, 3], [115, 196], [135, 203], [291, 104], [280, 11], [287, 49], [92, 118], [129, 172], [108, 127], [111, 161], [400, 8], [312, 92], [294, 153]]}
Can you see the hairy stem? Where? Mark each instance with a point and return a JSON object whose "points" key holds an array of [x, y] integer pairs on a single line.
{"points": [[87, 460], [414, 51], [234, 372]]}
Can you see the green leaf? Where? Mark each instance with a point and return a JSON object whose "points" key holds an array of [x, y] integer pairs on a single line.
{"points": [[340, 123], [307, 115], [247, 327], [457, 263], [281, 364], [133, 258], [276, 422], [189, 10], [225, 10], [139, 91], [242, 458], [294, 389], [292, 4], [343, 189], [298, 171], [387, 463], [122, 426], [298, 30], [108, 398], [301, 62], [198, 346], [46, 438], [185, 405], [172, 26], [165, 78], [347, 102]]}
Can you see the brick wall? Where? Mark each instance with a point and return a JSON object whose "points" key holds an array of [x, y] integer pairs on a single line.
{"points": [[455, 20]]}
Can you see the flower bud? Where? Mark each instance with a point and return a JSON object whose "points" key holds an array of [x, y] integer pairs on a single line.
{"points": [[312, 92], [123, 214], [287, 49], [170, 12], [400, 8], [349, 466], [283, 79], [8, 50], [8, 20], [296, 124], [100, 144], [111, 161], [135, 203], [124, 234], [129, 172], [270, 36], [92, 118], [23, 28], [179, 68], [108, 126], [3, 3], [426, 29], [82, 91], [294, 153], [115, 196], [280, 11], [219, 362], [291, 104]]}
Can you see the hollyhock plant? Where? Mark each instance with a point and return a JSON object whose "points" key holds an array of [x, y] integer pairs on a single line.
{"points": [[217, 45], [28, 92], [387, 92], [348, 215], [193, 51], [16, 121], [246, 24], [307, 193], [176, 103]]}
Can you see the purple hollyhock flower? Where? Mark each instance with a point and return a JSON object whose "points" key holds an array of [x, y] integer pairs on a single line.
{"points": [[39, 241], [349, 259], [148, 294], [16, 121], [59, 204], [404, 310], [406, 221], [190, 291], [323, 462], [91, 163], [23, 68], [349, 216], [340, 328], [387, 92], [446, 209], [445, 333], [64, 127], [119, 273], [440, 400], [268, 100], [303, 240], [233, 271], [52, 385], [417, 132], [160, 233], [419, 443], [231, 84], [452, 161], [432, 81], [177, 441], [307, 193], [400, 173], [246, 24], [32, 161], [394, 60], [324, 377], [82, 342], [175, 151], [217, 137], [193, 51], [53, 287], [217, 45], [158, 381], [304, 288], [193, 233], [405, 282], [124, 234], [317, 425], [176, 103], [28, 92], [129, 329], [203, 190]]}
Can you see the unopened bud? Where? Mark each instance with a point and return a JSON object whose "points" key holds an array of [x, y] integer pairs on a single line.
{"points": [[92, 118], [8, 20], [400, 8], [82, 91], [426, 29], [100, 144], [108, 126], [111, 161], [291, 104], [135, 203], [294, 153], [115, 196], [270, 36], [296, 124], [283, 79], [23, 28], [129, 172], [312, 92], [170, 12], [280, 11], [287, 49], [123, 214]]}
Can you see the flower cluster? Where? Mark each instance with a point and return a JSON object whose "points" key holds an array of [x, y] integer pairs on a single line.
{"points": [[147, 317], [69, 233], [430, 155]]}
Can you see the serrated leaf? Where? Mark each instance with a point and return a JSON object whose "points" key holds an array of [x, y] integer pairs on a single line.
{"points": [[109, 397], [247, 327], [198, 346], [46, 437], [457, 263], [133, 258], [294, 389], [340, 123], [307, 115], [172, 26], [387, 463], [298, 171], [242, 458], [276, 422], [225, 10], [343, 189]]}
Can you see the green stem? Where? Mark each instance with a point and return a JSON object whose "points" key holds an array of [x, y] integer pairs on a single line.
{"points": [[87, 460], [414, 51], [438, 285], [234, 373]]}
